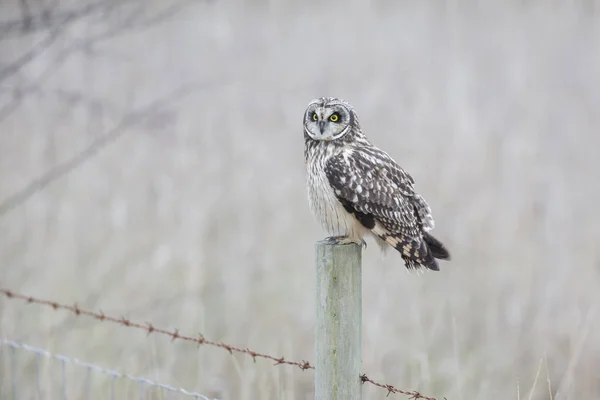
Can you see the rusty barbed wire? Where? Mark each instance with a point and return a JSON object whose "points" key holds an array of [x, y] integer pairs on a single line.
{"points": [[150, 328], [411, 395], [199, 340]]}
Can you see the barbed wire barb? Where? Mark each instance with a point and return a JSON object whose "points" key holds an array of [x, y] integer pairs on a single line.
{"points": [[199, 340]]}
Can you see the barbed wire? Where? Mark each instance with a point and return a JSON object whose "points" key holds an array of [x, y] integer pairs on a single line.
{"points": [[174, 334], [92, 367]]}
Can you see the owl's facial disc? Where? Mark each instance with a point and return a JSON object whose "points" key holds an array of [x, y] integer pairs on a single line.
{"points": [[326, 121]]}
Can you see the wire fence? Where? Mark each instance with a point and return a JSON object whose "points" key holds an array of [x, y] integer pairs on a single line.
{"points": [[174, 334], [13, 363]]}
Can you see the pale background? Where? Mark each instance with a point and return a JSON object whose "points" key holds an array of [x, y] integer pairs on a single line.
{"points": [[193, 214]]}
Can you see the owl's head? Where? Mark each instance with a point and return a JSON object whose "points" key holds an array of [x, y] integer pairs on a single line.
{"points": [[329, 118]]}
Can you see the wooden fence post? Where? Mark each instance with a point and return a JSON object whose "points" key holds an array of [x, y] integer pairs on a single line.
{"points": [[339, 318]]}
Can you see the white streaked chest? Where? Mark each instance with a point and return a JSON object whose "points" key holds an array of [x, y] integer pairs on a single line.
{"points": [[323, 203]]}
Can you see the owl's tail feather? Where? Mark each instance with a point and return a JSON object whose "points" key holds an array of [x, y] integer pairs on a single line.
{"points": [[416, 254], [437, 248], [422, 253]]}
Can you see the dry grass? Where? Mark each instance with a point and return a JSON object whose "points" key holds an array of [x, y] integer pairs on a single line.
{"points": [[197, 216]]}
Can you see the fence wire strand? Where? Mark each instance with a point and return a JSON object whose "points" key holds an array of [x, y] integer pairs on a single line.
{"points": [[174, 334], [64, 360]]}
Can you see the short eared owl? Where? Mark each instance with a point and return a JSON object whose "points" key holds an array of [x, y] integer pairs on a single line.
{"points": [[355, 188]]}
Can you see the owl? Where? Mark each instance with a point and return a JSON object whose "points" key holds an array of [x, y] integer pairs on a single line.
{"points": [[356, 189]]}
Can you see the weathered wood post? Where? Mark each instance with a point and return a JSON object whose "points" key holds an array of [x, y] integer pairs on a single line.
{"points": [[339, 318]]}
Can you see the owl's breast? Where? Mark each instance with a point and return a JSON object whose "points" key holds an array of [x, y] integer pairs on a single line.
{"points": [[323, 203]]}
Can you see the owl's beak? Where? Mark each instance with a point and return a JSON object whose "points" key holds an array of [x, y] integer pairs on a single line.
{"points": [[321, 126]]}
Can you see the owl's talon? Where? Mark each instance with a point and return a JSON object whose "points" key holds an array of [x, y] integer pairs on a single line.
{"points": [[345, 240], [333, 239]]}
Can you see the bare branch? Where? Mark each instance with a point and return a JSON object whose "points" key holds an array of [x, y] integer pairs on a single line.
{"points": [[40, 47], [89, 152], [31, 23], [133, 20]]}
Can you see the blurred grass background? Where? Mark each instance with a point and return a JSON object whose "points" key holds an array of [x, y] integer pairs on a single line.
{"points": [[194, 213]]}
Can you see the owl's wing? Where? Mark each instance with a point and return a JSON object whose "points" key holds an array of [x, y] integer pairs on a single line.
{"points": [[380, 194], [373, 187]]}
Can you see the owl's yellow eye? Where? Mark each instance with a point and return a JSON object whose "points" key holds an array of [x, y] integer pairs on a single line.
{"points": [[314, 116], [334, 117]]}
